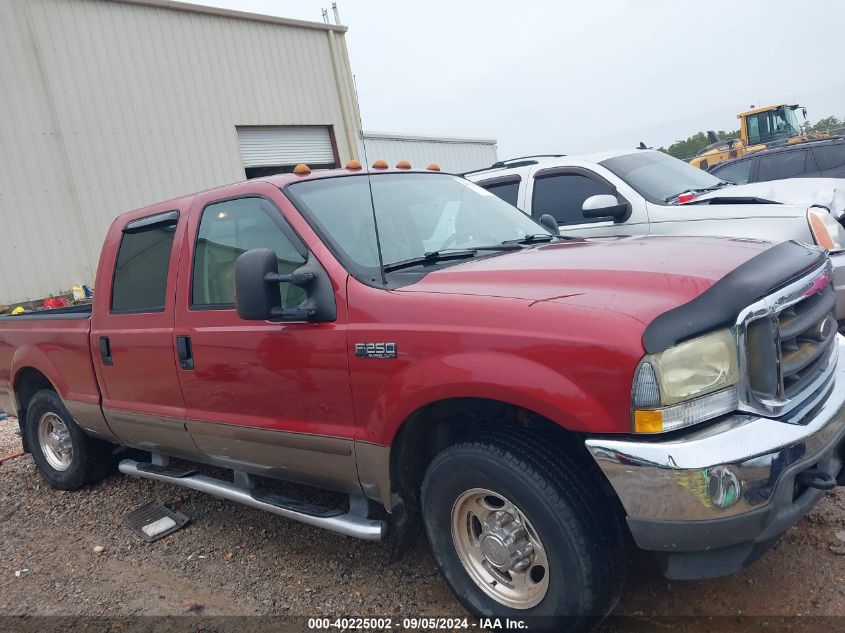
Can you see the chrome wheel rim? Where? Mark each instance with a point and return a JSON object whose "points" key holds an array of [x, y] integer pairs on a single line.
{"points": [[54, 439], [500, 549]]}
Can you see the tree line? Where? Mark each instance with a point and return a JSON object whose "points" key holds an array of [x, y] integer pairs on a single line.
{"points": [[690, 146]]}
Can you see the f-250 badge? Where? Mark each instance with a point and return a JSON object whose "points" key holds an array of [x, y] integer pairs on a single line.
{"points": [[375, 350]]}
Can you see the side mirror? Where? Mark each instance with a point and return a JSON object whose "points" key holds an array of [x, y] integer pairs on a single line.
{"points": [[255, 298], [549, 223], [605, 206], [258, 295]]}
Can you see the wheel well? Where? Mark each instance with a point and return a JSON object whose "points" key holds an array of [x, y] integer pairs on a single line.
{"points": [[28, 382], [434, 427]]}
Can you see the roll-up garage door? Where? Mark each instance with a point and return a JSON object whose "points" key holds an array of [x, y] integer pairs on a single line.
{"points": [[264, 147]]}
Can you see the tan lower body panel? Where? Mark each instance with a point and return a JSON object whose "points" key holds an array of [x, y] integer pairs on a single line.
{"points": [[374, 471], [91, 419], [154, 433], [323, 462]]}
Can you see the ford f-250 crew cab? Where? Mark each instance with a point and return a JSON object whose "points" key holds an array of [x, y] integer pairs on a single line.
{"points": [[647, 192], [409, 339]]}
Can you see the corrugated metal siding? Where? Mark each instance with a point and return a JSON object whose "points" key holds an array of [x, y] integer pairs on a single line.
{"points": [[453, 155], [265, 146], [107, 106]]}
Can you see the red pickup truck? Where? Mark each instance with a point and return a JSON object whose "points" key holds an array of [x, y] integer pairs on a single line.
{"points": [[410, 340]]}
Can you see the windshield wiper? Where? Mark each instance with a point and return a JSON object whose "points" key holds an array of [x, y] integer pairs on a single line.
{"points": [[718, 185], [433, 256], [448, 254], [535, 238]]}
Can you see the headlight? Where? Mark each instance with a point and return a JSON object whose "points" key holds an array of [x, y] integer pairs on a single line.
{"points": [[689, 383], [827, 232]]}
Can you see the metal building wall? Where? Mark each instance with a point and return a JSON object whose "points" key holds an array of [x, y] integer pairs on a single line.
{"points": [[455, 155], [110, 105]]}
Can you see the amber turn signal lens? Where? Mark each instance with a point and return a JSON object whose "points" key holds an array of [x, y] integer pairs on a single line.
{"points": [[648, 421], [353, 164], [821, 233], [403, 164], [302, 169], [380, 164], [433, 167]]}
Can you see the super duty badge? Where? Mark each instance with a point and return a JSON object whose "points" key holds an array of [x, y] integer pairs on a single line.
{"points": [[375, 350]]}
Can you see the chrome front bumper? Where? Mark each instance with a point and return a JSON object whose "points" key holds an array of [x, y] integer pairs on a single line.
{"points": [[838, 261], [731, 482]]}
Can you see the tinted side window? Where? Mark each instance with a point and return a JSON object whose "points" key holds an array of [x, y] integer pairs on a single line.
{"points": [[735, 172], [507, 191], [140, 275], [229, 229], [781, 165], [563, 195], [830, 157]]}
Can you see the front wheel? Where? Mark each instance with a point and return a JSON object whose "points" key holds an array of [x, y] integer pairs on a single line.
{"points": [[519, 531], [63, 453]]}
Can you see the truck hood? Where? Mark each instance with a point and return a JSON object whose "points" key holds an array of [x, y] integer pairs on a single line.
{"points": [[641, 277], [804, 192]]}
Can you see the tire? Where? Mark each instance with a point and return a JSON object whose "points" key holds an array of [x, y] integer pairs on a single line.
{"points": [[579, 547], [89, 459]]}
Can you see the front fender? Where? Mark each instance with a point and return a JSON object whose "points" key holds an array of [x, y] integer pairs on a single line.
{"points": [[527, 384]]}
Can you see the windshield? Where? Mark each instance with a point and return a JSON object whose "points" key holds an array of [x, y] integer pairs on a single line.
{"points": [[658, 177], [772, 126], [417, 214]]}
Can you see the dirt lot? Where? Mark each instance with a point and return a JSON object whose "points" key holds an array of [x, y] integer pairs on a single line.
{"points": [[233, 560]]}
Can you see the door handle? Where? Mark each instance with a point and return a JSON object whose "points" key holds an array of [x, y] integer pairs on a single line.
{"points": [[105, 351], [185, 352]]}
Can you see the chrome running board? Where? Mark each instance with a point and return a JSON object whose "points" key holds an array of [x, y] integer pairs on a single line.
{"points": [[341, 523]]}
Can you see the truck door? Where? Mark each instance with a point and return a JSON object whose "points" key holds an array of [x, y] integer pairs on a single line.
{"points": [[265, 397], [132, 332], [561, 192]]}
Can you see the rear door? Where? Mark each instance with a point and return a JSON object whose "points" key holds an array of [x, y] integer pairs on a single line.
{"points": [[831, 159], [266, 397], [132, 332], [508, 188], [792, 163]]}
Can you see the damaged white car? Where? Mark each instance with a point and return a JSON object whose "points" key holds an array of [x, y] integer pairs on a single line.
{"points": [[642, 191]]}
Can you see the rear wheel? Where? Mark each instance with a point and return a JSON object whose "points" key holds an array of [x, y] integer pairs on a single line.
{"points": [[518, 530], [66, 457]]}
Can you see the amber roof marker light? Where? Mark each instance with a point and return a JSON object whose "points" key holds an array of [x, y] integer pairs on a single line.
{"points": [[353, 165], [403, 164], [433, 167], [302, 169], [380, 164]]}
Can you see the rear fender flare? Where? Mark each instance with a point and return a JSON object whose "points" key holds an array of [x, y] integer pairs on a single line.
{"points": [[30, 357]]}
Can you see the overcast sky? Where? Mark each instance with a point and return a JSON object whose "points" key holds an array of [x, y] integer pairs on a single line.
{"points": [[547, 76]]}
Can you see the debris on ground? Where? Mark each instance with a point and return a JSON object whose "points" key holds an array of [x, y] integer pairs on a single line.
{"points": [[283, 568]]}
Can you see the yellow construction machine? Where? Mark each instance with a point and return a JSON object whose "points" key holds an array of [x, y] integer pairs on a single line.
{"points": [[759, 128]]}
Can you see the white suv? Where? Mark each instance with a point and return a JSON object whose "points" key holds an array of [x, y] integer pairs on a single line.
{"points": [[643, 192]]}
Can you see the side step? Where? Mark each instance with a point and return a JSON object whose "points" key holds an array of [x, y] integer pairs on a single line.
{"points": [[333, 520]]}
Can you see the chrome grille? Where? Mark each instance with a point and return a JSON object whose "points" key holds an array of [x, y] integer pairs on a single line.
{"points": [[806, 330], [787, 343]]}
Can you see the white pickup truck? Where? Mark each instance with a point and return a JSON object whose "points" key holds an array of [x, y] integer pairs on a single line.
{"points": [[641, 191]]}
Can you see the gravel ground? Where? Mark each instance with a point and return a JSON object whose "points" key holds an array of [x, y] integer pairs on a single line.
{"points": [[233, 560]]}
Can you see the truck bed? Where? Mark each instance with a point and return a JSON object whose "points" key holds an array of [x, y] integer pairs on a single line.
{"points": [[56, 343]]}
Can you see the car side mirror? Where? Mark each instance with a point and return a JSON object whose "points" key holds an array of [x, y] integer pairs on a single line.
{"points": [[548, 221], [605, 206], [258, 295]]}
